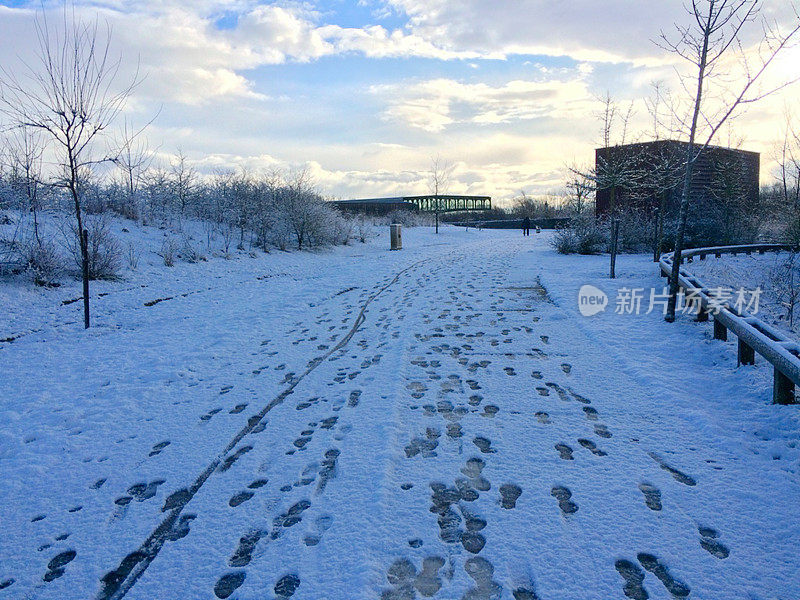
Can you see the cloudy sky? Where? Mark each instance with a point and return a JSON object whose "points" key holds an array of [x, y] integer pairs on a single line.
{"points": [[365, 92]]}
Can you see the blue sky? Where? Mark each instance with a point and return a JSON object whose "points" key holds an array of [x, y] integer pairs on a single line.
{"points": [[364, 93]]}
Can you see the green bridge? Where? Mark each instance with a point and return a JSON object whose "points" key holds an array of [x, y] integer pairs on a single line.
{"points": [[431, 203]]}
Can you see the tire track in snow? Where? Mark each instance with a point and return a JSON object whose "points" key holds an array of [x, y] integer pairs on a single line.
{"points": [[118, 582]]}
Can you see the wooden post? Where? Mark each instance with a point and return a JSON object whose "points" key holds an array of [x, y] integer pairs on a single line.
{"points": [[614, 243], [746, 354], [720, 331], [702, 313], [85, 260], [657, 236], [783, 389]]}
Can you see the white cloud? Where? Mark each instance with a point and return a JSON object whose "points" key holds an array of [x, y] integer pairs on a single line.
{"points": [[585, 30], [435, 104]]}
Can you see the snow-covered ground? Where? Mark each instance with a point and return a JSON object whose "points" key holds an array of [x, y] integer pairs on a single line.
{"points": [[357, 424]]}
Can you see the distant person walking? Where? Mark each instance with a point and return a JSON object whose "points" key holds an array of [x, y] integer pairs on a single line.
{"points": [[526, 226]]}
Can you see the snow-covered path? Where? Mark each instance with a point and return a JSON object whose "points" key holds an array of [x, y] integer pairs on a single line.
{"points": [[435, 423]]}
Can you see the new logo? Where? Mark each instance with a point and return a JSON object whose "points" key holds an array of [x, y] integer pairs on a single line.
{"points": [[591, 300]]}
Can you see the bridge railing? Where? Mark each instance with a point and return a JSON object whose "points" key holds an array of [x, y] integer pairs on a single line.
{"points": [[754, 335]]}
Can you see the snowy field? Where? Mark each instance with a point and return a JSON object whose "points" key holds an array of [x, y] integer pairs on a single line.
{"points": [[355, 424]]}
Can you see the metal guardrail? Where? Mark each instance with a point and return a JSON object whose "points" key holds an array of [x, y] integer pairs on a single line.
{"points": [[754, 335]]}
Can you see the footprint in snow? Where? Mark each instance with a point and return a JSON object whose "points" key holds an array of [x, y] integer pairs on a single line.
{"points": [[509, 493], [652, 495], [564, 451], [55, 568], [709, 543], [229, 583], [592, 447], [209, 414], [484, 445], [321, 524], [676, 474], [158, 448], [602, 431], [677, 588], [634, 580], [563, 496], [286, 586]]}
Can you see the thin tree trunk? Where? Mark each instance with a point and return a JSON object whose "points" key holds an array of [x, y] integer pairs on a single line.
{"points": [[612, 208], [683, 217], [659, 246], [683, 214], [614, 246], [35, 211], [83, 238]]}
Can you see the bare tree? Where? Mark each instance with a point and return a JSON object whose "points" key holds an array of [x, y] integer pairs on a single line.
{"points": [[789, 166], [71, 96], [24, 149], [711, 43], [662, 170], [133, 160], [615, 168], [731, 213], [184, 179], [439, 177], [579, 189]]}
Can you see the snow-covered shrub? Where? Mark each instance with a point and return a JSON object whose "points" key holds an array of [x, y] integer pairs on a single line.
{"points": [[189, 252], [133, 257], [364, 230], [42, 260], [125, 205], [104, 251], [784, 285], [105, 254], [584, 235], [791, 227], [327, 226], [168, 251], [635, 232], [310, 220], [342, 229]]}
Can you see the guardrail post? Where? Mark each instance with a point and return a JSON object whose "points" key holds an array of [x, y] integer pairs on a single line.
{"points": [[747, 356], [702, 313], [783, 389], [720, 331]]}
